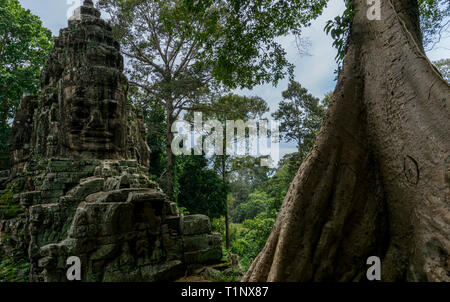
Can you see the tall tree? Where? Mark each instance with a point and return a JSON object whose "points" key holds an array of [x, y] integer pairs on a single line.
{"points": [[246, 176], [180, 50], [434, 21], [201, 190], [300, 115], [232, 107], [444, 67], [163, 42], [155, 121], [24, 46], [376, 181]]}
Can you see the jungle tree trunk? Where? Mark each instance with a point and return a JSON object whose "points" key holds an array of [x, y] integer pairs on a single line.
{"points": [[5, 113], [377, 181], [227, 218], [170, 156]]}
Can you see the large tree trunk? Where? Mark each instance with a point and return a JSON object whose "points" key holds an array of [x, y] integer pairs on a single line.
{"points": [[227, 218], [170, 176], [5, 113], [377, 180]]}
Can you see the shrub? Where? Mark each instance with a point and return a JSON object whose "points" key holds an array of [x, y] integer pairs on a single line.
{"points": [[9, 208]]}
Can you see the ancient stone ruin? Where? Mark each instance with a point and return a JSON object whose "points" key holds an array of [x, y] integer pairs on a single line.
{"points": [[78, 185]]}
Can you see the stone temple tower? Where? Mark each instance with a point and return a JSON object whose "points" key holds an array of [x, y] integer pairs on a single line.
{"points": [[82, 111], [79, 184]]}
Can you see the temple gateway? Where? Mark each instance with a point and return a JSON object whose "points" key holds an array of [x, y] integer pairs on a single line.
{"points": [[79, 185]]}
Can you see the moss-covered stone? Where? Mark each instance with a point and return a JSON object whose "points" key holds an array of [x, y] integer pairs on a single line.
{"points": [[87, 193], [9, 205]]}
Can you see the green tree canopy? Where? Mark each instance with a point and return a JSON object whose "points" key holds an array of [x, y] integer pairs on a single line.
{"points": [[181, 51], [434, 20], [300, 115], [201, 190], [234, 107], [24, 46], [444, 67]]}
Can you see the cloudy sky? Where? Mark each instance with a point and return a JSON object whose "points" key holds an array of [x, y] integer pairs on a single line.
{"points": [[314, 71]]}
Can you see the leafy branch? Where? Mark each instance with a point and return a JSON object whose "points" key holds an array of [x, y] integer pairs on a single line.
{"points": [[339, 29]]}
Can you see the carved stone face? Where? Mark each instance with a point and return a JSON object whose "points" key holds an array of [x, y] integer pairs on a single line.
{"points": [[94, 125]]}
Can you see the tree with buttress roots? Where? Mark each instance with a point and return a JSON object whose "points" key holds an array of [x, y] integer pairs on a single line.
{"points": [[377, 181]]}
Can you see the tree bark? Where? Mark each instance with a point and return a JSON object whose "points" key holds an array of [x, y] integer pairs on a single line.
{"points": [[5, 112], [227, 218], [170, 156], [377, 181]]}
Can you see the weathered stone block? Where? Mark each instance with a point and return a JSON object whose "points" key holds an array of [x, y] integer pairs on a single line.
{"points": [[50, 194], [105, 252], [202, 242], [111, 218], [50, 185], [173, 245], [87, 187], [112, 196], [173, 223], [163, 272], [61, 166], [205, 256], [117, 182], [195, 224], [84, 195], [28, 199], [172, 209]]}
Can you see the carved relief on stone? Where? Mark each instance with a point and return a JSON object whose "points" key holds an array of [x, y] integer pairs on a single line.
{"points": [[82, 110]]}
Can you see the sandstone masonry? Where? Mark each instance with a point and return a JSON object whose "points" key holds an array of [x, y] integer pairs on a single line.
{"points": [[78, 185]]}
